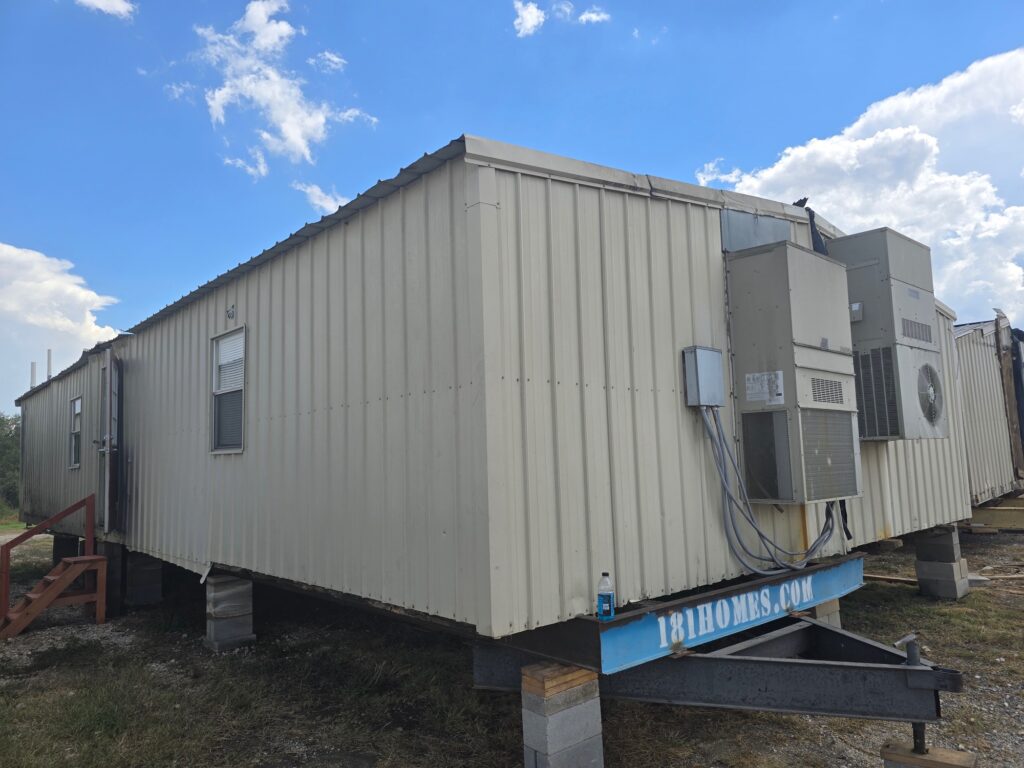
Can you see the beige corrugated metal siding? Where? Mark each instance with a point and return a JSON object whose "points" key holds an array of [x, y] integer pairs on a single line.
{"points": [[463, 396], [989, 458], [363, 413], [594, 462], [912, 485], [48, 483]]}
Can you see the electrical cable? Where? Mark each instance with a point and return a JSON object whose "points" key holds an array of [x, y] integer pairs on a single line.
{"points": [[724, 459]]}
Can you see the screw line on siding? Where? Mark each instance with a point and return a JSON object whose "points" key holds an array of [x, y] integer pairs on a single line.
{"points": [[525, 434], [553, 394], [584, 437], [665, 580], [631, 343], [602, 228]]}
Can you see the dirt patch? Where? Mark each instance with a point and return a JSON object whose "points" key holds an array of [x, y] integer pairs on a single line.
{"points": [[326, 686]]}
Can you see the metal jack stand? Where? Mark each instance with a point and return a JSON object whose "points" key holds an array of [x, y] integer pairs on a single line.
{"points": [[913, 648]]}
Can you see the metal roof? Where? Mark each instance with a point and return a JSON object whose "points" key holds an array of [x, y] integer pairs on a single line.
{"points": [[81, 361]]}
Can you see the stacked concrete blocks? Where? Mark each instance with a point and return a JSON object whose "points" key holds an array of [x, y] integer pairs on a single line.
{"points": [[828, 612], [941, 570], [561, 717], [228, 612]]}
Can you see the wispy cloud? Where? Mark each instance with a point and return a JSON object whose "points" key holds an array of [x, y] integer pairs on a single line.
{"points": [[327, 61], [712, 171], [325, 202], [1017, 113], [594, 15], [123, 9], [43, 304], [563, 10], [248, 57], [529, 18], [257, 169], [179, 91]]}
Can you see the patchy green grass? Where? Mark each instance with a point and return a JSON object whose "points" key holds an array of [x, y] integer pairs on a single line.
{"points": [[326, 686], [32, 560], [9, 522]]}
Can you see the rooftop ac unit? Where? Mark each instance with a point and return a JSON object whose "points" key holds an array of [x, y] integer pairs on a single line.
{"points": [[793, 374], [895, 343]]}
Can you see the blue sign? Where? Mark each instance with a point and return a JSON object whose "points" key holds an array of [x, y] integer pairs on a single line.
{"points": [[658, 634]]}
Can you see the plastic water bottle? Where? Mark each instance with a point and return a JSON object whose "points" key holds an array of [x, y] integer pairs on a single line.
{"points": [[605, 598]]}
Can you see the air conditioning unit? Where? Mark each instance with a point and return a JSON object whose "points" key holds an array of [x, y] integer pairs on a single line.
{"points": [[793, 374], [895, 340]]}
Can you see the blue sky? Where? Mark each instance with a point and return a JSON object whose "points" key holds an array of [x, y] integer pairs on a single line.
{"points": [[117, 183]]}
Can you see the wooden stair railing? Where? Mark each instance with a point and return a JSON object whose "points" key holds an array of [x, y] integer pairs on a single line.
{"points": [[51, 590]]}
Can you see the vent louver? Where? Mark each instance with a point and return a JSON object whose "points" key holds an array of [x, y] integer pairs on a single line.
{"points": [[827, 391], [915, 330], [829, 461], [877, 404]]}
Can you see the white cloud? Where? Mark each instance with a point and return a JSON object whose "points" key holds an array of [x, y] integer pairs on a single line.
{"points": [[636, 33], [712, 171], [1017, 113], [43, 305], [352, 114], [179, 91], [562, 10], [123, 9], [268, 35], [594, 15], [325, 202], [327, 61], [257, 169], [930, 162], [248, 58], [529, 18]]}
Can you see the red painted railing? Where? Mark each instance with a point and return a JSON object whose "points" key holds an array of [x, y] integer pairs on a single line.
{"points": [[88, 503]]}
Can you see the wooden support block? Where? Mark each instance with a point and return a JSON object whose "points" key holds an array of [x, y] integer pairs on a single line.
{"points": [[978, 529], [890, 579], [895, 754], [545, 680]]}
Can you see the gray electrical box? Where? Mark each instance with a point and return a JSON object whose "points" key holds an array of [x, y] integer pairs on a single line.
{"points": [[793, 374], [705, 383], [895, 339]]}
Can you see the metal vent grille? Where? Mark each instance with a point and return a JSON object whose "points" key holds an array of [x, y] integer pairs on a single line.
{"points": [[827, 391], [915, 330], [877, 406], [830, 466]]}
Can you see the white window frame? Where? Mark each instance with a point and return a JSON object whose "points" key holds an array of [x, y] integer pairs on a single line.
{"points": [[72, 464], [214, 391]]}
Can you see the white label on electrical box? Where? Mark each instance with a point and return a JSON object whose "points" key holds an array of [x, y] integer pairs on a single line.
{"points": [[765, 387]]}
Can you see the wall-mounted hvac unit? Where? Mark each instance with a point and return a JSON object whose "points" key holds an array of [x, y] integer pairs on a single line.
{"points": [[895, 341], [793, 374]]}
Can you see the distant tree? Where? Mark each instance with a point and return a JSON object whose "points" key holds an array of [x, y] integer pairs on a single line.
{"points": [[10, 459]]}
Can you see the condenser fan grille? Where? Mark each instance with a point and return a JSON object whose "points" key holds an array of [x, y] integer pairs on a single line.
{"points": [[929, 391]]}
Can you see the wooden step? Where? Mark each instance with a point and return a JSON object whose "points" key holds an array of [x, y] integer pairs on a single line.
{"points": [[84, 560], [50, 591]]}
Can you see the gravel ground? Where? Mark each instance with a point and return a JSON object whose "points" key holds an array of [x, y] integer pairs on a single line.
{"points": [[328, 687]]}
